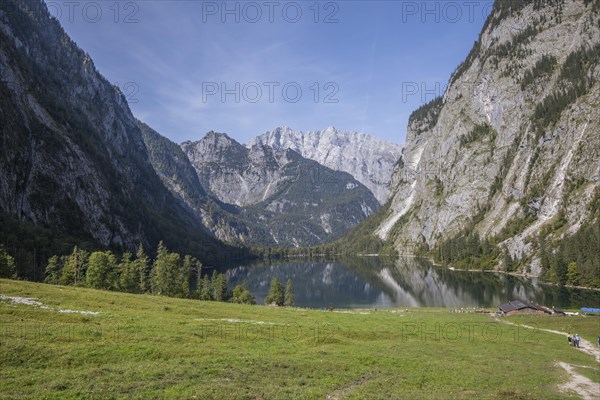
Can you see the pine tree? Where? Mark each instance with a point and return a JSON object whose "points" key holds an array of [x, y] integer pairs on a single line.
{"points": [[53, 270], [7, 265], [545, 257], [219, 286], [289, 294], [206, 292], [572, 274], [241, 295], [508, 262], [74, 269], [102, 271], [142, 266], [129, 279], [192, 268], [167, 273], [276, 295]]}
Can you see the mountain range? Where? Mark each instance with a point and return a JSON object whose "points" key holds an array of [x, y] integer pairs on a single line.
{"points": [[74, 168], [77, 167], [504, 167], [367, 158]]}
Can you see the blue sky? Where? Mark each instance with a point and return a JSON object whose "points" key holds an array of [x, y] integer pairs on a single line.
{"points": [[188, 67]]}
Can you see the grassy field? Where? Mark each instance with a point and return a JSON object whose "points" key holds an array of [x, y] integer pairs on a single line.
{"points": [[154, 347]]}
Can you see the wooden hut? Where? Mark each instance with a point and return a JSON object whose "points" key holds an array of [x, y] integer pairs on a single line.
{"points": [[521, 307]]}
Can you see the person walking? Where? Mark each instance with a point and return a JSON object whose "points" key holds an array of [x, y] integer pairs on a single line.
{"points": [[577, 339], [570, 339]]}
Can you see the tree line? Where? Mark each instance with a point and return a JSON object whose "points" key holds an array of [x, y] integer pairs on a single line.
{"points": [[169, 274]]}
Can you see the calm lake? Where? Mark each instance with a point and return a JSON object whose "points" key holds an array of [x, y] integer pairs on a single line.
{"points": [[406, 282]]}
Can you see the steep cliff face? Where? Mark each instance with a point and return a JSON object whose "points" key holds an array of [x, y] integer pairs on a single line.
{"points": [[73, 159], [512, 150], [368, 159], [179, 176], [298, 201]]}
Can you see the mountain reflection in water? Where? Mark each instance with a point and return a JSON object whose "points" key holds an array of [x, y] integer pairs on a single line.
{"points": [[405, 282]]}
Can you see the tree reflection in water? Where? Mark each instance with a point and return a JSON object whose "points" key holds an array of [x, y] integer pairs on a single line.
{"points": [[405, 282]]}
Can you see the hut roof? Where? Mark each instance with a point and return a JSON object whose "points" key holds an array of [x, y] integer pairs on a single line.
{"points": [[519, 305]]}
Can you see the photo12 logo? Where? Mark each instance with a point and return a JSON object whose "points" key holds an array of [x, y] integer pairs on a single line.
{"points": [[253, 12], [445, 11], [125, 12], [424, 91], [254, 92], [130, 90]]}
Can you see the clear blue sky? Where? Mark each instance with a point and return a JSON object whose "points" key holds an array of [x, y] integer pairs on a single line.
{"points": [[172, 59]]}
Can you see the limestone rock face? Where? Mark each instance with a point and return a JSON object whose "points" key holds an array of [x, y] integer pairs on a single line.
{"points": [[370, 160], [515, 140], [73, 159], [291, 200]]}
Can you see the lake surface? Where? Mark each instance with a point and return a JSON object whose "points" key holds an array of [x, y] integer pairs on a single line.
{"points": [[407, 282]]}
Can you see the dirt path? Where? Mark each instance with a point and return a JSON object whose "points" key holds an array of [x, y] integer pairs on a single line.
{"points": [[579, 384], [582, 385], [585, 345]]}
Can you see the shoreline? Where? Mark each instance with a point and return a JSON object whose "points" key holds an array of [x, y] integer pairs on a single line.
{"points": [[517, 274]]}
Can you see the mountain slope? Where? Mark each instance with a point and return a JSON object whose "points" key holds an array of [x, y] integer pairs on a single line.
{"points": [[177, 173], [511, 153], [367, 158], [299, 201], [73, 160]]}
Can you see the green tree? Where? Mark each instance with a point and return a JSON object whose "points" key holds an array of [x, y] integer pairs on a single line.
{"points": [[193, 270], [75, 267], [206, 292], [241, 295], [7, 265], [572, 274], [102, 270], [53, 270], [289, 294], [167, 274], [129, 275], [276, 295], [219, 287], [509, 262], [142, 266]]}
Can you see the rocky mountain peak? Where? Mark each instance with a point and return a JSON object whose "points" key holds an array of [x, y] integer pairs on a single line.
{"points": [[369, 159]]}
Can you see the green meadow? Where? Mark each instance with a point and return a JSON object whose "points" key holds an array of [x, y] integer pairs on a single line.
{"points": [[141, 346]]}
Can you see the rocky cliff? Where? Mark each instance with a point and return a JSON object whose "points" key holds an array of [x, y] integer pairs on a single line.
{"points": [[73, 160], [298, 201], [511, 153], [369, 159]]}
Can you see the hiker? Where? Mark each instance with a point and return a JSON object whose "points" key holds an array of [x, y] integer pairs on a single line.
{"points": [[569, 339], [577, 338]]}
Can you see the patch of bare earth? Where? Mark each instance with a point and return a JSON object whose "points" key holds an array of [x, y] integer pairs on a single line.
{"points": [[344, 391], [582, 385]]}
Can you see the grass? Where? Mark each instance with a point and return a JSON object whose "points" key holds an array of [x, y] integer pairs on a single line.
{"points": [[154, 347], [587, 327]]}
